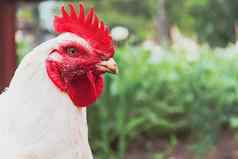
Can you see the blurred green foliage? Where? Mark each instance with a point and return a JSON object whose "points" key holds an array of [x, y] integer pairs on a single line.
{"points": [[212, 21], [165, 98], [22, 49]]}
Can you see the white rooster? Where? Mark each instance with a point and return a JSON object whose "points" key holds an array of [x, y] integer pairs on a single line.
{"points": [[43, 112]]}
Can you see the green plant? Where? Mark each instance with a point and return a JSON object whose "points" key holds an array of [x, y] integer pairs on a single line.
{"points": [[22, 49], [169, 97], [158, 156]]}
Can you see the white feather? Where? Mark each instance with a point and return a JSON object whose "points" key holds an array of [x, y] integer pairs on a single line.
{"points": [[36, 119], [55, 56]]}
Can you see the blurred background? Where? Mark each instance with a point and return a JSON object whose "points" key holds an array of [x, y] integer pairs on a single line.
{"points": [[176, 96]]}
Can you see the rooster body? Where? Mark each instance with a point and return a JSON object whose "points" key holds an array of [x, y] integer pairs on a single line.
{"points": [[43, 112]]}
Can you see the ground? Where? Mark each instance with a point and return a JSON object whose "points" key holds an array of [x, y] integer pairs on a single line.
{"points": [[147, 148]]}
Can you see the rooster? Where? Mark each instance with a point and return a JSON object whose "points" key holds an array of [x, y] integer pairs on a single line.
{"points": [[43, 111]]}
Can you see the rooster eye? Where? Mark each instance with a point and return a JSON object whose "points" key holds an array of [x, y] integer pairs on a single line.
{"points": [[71, 51]]}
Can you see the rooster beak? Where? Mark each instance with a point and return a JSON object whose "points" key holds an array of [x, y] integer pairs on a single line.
{"points": [[109, 66]]}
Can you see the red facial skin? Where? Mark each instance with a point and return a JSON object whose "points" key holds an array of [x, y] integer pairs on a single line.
{"points": [[77, 75]]}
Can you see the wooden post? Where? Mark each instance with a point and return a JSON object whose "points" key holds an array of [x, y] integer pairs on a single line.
{"points": [[163, 27], [7, 42]]}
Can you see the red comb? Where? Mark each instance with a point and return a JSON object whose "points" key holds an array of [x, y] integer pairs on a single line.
{"points": [[87, 26]]}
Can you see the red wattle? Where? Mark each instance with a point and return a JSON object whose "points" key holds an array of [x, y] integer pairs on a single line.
{"points": [[85, 91]]}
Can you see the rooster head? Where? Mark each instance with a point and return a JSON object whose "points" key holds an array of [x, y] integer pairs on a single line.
{"points": [[76, 66]]}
